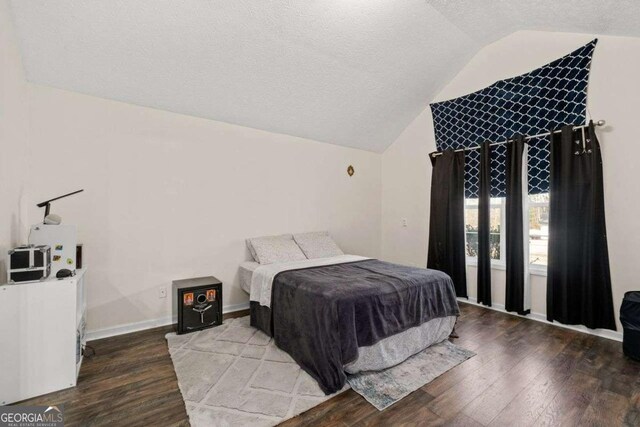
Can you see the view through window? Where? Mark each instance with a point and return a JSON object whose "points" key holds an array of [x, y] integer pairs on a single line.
{"points": [[538, 229], [495, 221]]}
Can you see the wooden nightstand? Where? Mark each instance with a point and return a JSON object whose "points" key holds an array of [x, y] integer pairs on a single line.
{"points": [[197, 303]]}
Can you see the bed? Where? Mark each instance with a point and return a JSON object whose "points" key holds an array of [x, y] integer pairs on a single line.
{"points": [[385, 353], [342, 314]]}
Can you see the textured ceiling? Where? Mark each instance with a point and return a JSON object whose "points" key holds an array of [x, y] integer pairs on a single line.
{"points": [[347, 72], [489, 20]]}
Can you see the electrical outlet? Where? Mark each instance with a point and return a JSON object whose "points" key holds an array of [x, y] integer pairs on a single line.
{"points": [[404, 222], [162, 292]]}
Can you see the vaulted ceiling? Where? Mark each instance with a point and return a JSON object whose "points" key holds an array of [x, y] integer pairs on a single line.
{"points": [[347, 72]]}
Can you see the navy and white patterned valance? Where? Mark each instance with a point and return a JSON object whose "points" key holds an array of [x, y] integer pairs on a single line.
{"points": [[532, 103]]}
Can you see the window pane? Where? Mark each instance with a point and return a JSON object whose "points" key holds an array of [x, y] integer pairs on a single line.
{"points": [[471, 226], [538, 229], [494, 248], [474, 202], [539, 198], [494, 229], [472, 245]]}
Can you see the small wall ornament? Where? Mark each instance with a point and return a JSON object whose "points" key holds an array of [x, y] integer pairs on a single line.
{"points": [[350, 170]]}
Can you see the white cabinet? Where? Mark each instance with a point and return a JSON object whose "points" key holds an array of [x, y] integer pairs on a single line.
{"points": [[41, 333]]}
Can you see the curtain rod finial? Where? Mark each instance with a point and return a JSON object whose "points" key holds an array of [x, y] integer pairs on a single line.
{"points": [[601, 123]]}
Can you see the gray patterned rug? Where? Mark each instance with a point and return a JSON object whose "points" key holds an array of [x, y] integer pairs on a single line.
{"points": [[234, 375], [384, 388]]}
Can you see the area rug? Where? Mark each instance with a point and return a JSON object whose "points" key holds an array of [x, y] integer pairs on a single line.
{"points": [[384, 388], [234, 375]]}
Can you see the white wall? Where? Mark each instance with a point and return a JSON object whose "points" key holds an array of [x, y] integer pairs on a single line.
{"points": [[169, 196], [13, 137], [614, 90]]}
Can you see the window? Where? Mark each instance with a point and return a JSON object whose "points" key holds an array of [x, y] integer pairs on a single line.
{"points": [[538, 230], [496, 236]]}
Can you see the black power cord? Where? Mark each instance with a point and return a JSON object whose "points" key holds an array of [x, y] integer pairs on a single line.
{"points": [[88, 351]]}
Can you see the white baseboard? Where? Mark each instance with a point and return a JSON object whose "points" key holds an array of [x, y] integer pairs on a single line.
{"points": [[539, 317], [169, 320], [149, 324]]}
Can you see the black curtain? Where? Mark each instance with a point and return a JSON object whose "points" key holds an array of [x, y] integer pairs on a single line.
{"points": [[446, 224], [578, 276], [484, 224], [515, 238]]}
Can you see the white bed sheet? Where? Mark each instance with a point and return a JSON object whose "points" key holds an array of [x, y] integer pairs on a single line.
{"points": [[262, 278]]}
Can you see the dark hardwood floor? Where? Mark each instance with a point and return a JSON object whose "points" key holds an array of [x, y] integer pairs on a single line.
{"points": [[525, 373]]}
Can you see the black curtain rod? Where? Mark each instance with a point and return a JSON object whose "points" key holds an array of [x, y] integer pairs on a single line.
{"points": [[439, 153]]}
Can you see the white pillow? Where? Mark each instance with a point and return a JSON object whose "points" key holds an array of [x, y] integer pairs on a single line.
{"points": [[270, 249], [317, 245], [253, 251]]}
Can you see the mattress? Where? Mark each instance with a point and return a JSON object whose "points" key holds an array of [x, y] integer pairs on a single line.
{"points": [[397, 348], [246, 272]]}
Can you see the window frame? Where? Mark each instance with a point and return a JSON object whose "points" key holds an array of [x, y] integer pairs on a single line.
{"points": [[534, 269], [501, 204], [537, 269]]}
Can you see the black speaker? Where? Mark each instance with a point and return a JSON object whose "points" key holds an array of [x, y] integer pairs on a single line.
{"points": [[79, 255], [630, 319]]}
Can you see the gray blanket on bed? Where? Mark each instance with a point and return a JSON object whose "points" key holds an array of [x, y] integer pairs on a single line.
{"points": [[321, 315]]}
